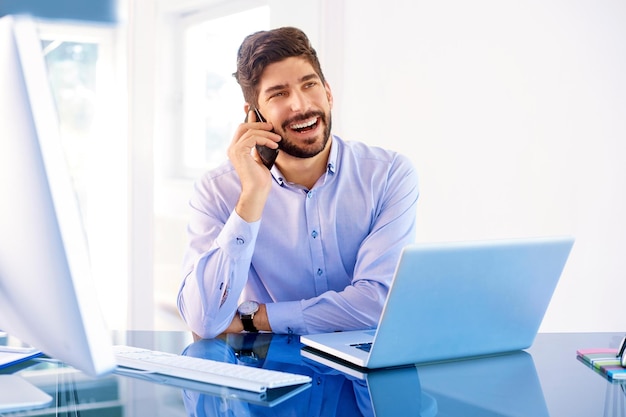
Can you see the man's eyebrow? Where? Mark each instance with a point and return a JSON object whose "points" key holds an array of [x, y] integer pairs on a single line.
{"points": [[279, 87], [309, 77]]}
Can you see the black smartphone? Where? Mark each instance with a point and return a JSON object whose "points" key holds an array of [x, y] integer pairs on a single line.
{"points": [[267, 155]]}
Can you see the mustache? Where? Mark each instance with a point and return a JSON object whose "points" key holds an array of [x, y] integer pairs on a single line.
{"points": [[303, 117]]}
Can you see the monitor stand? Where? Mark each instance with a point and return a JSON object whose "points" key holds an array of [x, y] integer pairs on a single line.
{"points": [[17, 394]]}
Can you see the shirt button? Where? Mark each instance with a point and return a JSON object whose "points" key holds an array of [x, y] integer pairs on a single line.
{"points": [[309, 194], [320, 272], [314, 234], [240, 241]]}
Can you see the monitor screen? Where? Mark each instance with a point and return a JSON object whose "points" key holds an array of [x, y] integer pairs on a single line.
{"points": [[47, 297]]}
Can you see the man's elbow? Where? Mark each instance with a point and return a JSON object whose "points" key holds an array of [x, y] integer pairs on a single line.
{"points": [[200, 327]]}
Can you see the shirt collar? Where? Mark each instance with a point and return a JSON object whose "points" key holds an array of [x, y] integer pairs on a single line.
{"points": [[331, 167]]}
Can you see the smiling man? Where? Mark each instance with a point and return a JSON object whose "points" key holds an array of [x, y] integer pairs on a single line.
{"points": [[311, 244]]}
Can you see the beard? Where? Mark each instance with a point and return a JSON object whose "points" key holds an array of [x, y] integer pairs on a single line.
{"points": [[312, 146]]}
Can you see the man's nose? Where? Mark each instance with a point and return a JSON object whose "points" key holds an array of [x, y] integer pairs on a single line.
{"points": [[298, 102]]}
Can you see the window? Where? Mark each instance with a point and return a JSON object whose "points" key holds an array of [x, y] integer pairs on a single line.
{"points": [[212, 99], [72, 75], [81, 71]]}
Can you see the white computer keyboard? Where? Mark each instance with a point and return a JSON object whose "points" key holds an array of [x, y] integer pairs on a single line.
{"points": [[205, 370]]}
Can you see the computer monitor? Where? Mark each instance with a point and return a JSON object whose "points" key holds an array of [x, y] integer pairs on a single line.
{"points": [[47, 297]]}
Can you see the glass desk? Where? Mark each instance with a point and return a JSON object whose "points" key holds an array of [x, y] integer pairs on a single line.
{"points": [[545, 380]]}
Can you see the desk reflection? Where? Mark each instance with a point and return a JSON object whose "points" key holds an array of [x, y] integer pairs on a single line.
{"points": [[332, 392], [505, 385]]}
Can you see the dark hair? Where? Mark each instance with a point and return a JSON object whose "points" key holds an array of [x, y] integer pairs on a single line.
{"points": [[261, 49]]}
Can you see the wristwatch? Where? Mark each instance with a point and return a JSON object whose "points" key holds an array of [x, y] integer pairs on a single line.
{"points": [[247, 310]]}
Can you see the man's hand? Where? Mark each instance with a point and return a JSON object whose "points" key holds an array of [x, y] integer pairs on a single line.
{"points": [[255, 180]]}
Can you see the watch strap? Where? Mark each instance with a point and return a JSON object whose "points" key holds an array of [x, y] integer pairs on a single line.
{"points": [[248, 324]]}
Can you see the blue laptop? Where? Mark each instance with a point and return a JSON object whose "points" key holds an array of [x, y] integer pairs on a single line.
{"points": [[457, 300]]}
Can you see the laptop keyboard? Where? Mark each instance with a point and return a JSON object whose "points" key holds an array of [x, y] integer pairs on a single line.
{"points": [[363, 346]]}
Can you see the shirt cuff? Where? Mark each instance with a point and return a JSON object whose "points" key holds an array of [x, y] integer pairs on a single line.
{"points": [[286, 317], [238, 237]]}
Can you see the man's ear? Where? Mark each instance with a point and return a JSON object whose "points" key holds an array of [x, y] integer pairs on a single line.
{"points": [[246, 107], [329, 93]]}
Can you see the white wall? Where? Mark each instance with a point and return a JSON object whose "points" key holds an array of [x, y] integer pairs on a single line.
{"points": [[514, 114]]}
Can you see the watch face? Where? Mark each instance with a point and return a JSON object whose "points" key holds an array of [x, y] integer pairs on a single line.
{"points": [[248, 307]]}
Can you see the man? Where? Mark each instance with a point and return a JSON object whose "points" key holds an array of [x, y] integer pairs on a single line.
{"points": [[310, 245]]}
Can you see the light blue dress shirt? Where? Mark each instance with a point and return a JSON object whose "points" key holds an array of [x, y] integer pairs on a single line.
{"points": [[320, 259]]}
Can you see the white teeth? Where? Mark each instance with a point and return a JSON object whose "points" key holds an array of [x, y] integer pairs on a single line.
{"points": [[304, 124]]}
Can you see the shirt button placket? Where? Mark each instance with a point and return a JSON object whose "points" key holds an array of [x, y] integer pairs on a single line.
{"points": [[317, 254]]}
